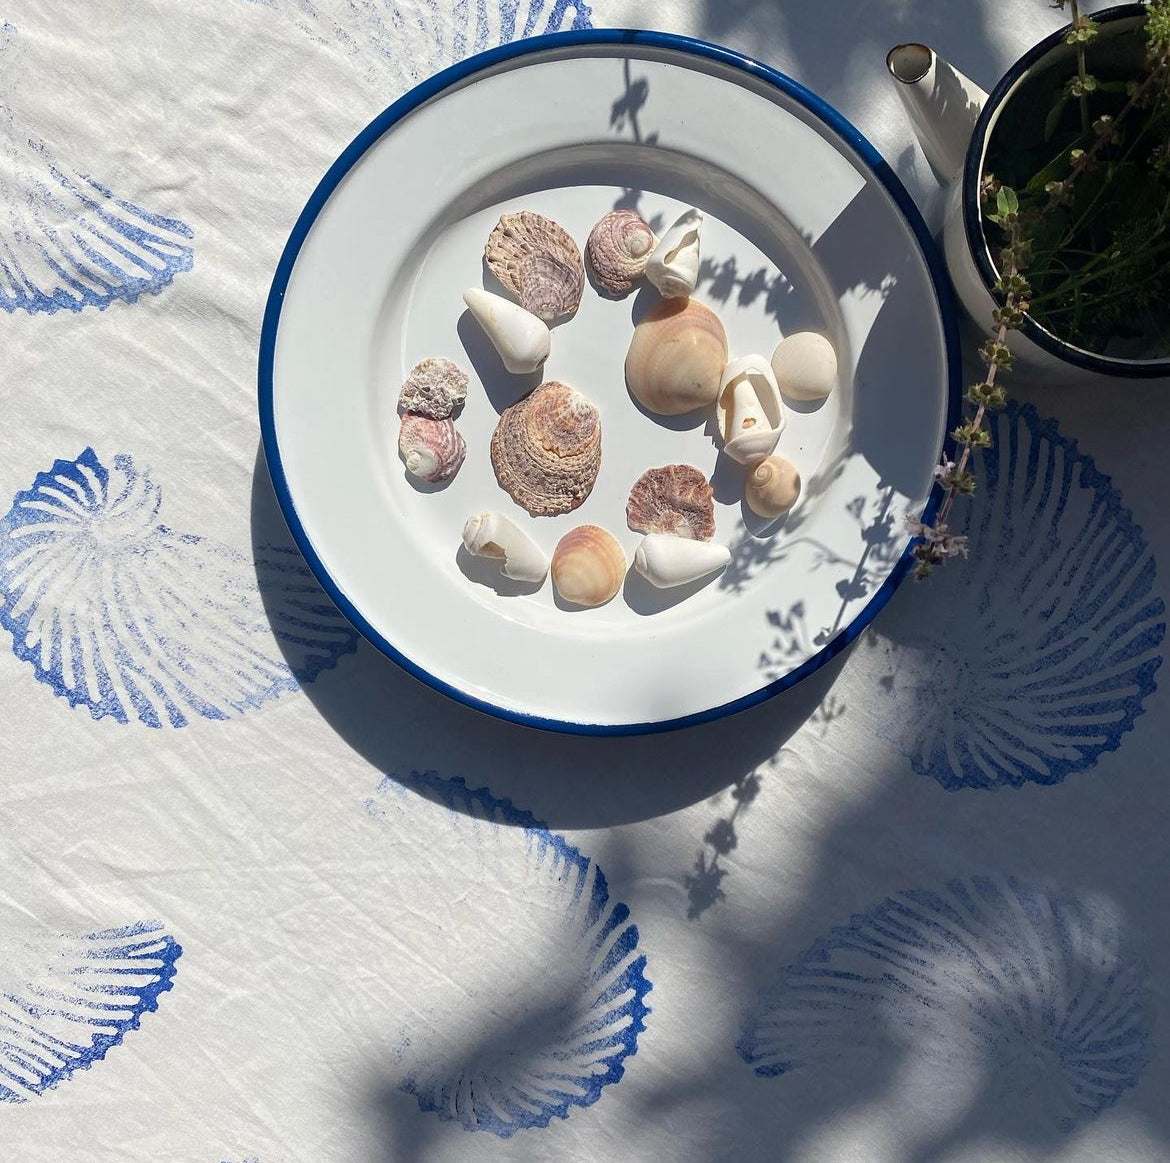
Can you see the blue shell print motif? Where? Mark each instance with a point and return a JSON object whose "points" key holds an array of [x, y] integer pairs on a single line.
{"points": [[1032, 991], [123, 615], [1027, 661], [410, 40], [67, 241], [570, 996], [65, 1001]]}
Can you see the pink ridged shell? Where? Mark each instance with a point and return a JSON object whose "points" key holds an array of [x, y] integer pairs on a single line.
{"points": [[676, 499], [431, 449], [618, 249], [546, 450], [537, 261], [434, 388]]}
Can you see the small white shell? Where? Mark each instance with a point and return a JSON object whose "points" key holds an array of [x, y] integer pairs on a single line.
{"points": [[749, 411], [805, 366], [666, 561], [673, 266], [522, 339], [494, 535], [772, 487]]}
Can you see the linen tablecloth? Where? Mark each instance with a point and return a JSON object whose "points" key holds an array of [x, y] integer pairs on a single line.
{"points": [[267, 898]]}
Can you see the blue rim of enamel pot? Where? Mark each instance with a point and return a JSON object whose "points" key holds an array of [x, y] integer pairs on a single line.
{"points": [[973, 220], [426, 91]]}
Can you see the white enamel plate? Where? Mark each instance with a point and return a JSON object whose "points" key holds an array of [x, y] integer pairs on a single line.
{"points": [[806, 229]]}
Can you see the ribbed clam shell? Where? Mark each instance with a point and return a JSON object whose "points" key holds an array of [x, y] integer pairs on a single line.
{"points": [[65, 1001], [435, 388], [546, 449], [432, 450], [538, 261], [618, 249], [1034, 992], [676, 357], [588, 566], [557, 990], [119, 613], [676, 498]]}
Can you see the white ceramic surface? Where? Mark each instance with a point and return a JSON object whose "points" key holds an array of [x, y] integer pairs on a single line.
{"points": [[799, 235]]}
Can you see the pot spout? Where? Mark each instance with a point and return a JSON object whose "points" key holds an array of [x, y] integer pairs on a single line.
{"points": [[943, 105]]}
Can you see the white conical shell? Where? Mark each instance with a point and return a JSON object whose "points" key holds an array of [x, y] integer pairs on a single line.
{"points": [[749, 411], [494, 535], [673, 267], [521, 339], [666, 561], [805, 366]]}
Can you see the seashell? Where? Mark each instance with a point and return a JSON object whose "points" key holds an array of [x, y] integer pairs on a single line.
{"points": [[121, 613], [494, 535], [676, 357], [522, 340], [749, 411], [673, 266], [588, 566], [69, 999], [805, 366], [666, 561], [527, 887], [1038, 992], [772, 487], [1061, 647], [537, 261], [432, 450], [434, 388], [618, 249], [676, 498], [546, 450]]}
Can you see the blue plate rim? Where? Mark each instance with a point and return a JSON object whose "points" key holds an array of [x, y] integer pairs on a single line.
{"points": [[435, 85]]}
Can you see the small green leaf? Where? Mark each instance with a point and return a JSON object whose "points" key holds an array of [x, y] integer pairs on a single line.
{"points": [[1001, 202], [1013, 203], [1053, 118]]}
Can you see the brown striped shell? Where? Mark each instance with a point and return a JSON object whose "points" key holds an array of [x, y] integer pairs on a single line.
{"points": [[537, 261], [434, 388], [676, 499], [618, 249], [546, 450]]}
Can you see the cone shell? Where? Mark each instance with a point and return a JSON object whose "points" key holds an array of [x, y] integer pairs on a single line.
{"points": [[546, 450], [588, 566], [772, 488], [434, 388], [675, 499], [666, 561], [676, 358], [431, 449], [537, 261], [618, 249]]}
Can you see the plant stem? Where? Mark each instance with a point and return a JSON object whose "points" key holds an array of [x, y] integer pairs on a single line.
{"points": [[1081, 71]]}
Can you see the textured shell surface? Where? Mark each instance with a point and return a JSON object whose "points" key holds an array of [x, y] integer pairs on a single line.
{"points": [[676, 357], [432, 450], [435, 388], [546, 449], [676, 498], [547, 1041], [772, 487], [618, 249], [1035, 991], [119, 613], [538, 261], [67, 1000], [588, 566]]}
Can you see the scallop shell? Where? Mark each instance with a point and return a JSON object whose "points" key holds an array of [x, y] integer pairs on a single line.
{"points": [[65, 1001], [618, 249], [1035, 657], [772, 487], [122, 614], [1036, 994], [588, 566], [676, 357], [547, 1042], [537, 261], [435, 388], [676, 498], [546, 449], [432, 450]]}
